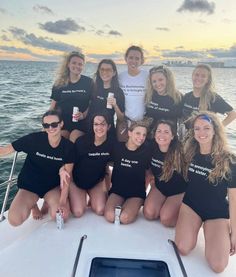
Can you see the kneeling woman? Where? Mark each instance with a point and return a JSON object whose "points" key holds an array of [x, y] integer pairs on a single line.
{"points": [[93, 152], [165, 198], [47, 152], [131, 160], [211, 177]]}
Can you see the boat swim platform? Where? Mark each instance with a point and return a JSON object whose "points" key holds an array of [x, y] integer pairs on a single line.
{"points": [[38, 249]]}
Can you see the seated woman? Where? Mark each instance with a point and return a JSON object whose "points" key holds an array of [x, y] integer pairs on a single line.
{"points": [[163, 100], [211, 170], [131, 159], [108, 96], [204, 98], [165, 197], [71, 93], [47, 152], [93, 152]]}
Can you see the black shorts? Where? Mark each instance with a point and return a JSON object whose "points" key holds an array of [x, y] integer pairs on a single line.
{"points": [[206, 213], [170, 189], [40, 190], [69, 125], [87, 186], [126, 195]]}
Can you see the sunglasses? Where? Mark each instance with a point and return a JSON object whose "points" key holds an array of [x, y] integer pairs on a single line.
{"points": [[48, 125], [161, 68]]}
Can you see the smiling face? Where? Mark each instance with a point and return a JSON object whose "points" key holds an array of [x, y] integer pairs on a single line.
{"points": [[53, 131], [163, 136], [137, 136], [158, 81], [200, 78], [106, 72], [134, 60], [100, 127], [203, 132], [75, 65]]}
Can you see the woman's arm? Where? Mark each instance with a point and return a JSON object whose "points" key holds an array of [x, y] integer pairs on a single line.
{"points": [[232, 214], [53, 105], [65, 178], [229, 118], [6, 150]]}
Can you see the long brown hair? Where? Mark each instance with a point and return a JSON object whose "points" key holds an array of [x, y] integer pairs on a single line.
{"points": [[174, 158], [222, 157]]}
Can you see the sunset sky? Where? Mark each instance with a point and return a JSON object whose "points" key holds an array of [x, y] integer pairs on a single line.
{"points": [[196, 30]]}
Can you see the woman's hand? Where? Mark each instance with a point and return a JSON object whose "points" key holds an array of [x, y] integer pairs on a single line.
{"points": [[111, 101], [64, 177]]}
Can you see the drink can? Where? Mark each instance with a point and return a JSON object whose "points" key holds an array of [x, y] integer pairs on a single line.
{"points": [[110, 95], [75, 111], [59, 220]]}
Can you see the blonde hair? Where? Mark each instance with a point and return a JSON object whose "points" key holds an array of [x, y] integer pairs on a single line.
{"points": [[208, 94], [63, 74], [222, 157], [139, 123], [170, 84], [174, 158]]}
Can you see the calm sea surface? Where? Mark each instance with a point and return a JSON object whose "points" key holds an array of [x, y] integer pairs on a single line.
{"points": [[25, 89]]}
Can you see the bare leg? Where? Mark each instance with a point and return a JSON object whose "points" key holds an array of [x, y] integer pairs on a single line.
{"points": [[170, 210], [153, 204], [130, 210], [21, 206], [98, 197], [112, 201], [75, 134], [187, 228], [217, 243], [77, 198], [108, 177], [52, 198]]}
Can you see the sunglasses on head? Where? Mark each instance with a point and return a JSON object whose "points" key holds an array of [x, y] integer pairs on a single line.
{"points": [[48, 125]]}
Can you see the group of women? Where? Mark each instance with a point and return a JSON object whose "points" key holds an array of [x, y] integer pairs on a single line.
{"points": [[189, 186]]}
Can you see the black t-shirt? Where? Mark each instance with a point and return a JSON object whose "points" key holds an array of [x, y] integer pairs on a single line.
{"points": [[191, 104], [163, 107], [176, 184], [42, 164], [91, 161], [99, 101], [128, 175], [202, 193], [74, 94]]}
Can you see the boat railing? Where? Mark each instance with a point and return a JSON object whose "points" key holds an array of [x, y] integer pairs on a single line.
{"points": [[10, 182]]}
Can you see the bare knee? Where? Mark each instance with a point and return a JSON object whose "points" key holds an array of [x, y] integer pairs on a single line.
{"points": [[184, 249], [168, 219], [14, 220], [217, 265], [109, 215], [149, 214], [78, 212], [98, 209]]}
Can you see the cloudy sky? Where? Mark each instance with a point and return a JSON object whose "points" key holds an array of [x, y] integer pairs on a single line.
{"points": [[167, 30]]}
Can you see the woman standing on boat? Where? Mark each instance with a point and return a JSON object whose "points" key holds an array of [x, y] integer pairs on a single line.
{"points": [[163, 100], [133, 83], [72, 90], [108, 96], [165, 197], [47, 152], [131, 159], [93, 152], [211, 178], [203, 97]]}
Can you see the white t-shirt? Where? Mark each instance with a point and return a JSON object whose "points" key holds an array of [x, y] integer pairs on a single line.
{"points": [[134, 88]]}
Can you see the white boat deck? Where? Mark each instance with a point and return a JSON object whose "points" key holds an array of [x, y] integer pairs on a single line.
{"points": [[38, 248]]}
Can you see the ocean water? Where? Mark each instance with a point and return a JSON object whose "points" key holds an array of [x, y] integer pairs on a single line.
{"points": [[25, 89]]}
